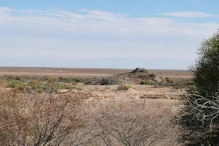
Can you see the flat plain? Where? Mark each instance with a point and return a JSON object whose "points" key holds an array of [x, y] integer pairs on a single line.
{"points": [[142, 97], [85, 72], [108, 92]]}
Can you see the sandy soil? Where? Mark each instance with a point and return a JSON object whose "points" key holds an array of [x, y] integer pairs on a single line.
{"points": [[110, 93]]}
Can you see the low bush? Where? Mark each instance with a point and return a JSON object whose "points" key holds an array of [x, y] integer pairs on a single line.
{"points": [[146, 83], [52, 86], [32, 119], [135, 124], [52, 81], [14, 83], [108, 81], [177, 82], [92, 81]]}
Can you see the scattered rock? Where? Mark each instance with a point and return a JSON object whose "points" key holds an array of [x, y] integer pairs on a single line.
{"points": [[156, 79], [152, 76]]}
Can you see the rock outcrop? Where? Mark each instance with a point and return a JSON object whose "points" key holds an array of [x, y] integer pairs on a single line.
{"points": [[137, 76]]}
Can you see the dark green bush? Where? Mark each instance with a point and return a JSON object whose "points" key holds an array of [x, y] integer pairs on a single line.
{"points": [[108, 81], [199, 118], [146, 83]]}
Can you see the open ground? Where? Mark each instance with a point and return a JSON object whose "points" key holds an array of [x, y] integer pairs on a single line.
{"points": [[125, 107]]}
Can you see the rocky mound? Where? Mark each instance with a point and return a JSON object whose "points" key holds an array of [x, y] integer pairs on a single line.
{"points": [[140, 70], [137, 76]]}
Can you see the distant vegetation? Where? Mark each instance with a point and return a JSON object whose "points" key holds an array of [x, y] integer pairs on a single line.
{"points": [[31, 118], [51, 84]]}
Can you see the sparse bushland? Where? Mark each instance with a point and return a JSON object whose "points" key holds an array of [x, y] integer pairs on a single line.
{"points": [[137, 76], [31, 113], [199, 118], [28, 118]]}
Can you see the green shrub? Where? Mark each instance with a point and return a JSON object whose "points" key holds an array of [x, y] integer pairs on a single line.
{"points": [[146, 83], [199, 118], [14, 84]]}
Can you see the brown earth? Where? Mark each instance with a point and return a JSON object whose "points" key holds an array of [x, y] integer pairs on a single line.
{"points": [[84, 72]]}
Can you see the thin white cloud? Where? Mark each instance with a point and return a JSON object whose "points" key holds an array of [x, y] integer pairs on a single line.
{"points": [[189, 14], [4, 9], [93, 34], [101, 15]]}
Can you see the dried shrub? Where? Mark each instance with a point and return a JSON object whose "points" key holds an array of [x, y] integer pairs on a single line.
{"points": [[33, 119], [134, 124], [199, 120]]}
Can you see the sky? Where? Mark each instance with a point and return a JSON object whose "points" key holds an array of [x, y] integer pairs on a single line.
{"points": [[125, 34]]}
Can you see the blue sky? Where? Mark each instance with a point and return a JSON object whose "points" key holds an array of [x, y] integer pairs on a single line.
{"points": [[161, 34]]}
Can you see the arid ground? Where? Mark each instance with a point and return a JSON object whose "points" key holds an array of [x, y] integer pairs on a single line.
{"points": [[84, 72], [142, 101], [106, 92]]}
